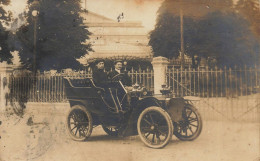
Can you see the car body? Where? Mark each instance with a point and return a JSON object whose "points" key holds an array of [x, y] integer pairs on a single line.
{"points": [[127, 111]]}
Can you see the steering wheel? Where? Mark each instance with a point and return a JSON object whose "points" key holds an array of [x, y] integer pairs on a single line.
{"points": [[118, 77]]}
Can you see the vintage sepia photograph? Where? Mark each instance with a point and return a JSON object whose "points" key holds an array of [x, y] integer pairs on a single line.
{"points": [[129, 80]]}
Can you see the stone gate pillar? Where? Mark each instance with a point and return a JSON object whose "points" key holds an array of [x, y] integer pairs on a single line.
{"points": [[5, 71], [159, 67]]}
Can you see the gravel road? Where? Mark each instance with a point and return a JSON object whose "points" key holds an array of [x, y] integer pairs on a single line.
{"points": [[44, 138]]}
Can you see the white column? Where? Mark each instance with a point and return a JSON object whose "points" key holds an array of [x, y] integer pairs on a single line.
{"points": [[159, 67], [5, 70]]}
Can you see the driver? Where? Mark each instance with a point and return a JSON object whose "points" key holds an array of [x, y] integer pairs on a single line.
{"points": [[118, 74]]}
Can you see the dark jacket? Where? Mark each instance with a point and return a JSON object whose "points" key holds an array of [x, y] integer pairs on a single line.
{"points": [[123, 77], [99, 76]]}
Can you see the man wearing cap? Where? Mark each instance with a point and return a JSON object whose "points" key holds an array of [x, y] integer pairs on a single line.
{"points": [[118, 74], [99, 75]]}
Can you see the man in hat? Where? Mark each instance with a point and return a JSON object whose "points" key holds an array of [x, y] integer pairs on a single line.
{"points": [[99, 75], [118, 74]]}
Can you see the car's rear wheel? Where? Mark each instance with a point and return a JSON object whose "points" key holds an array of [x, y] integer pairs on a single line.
{"points": [[79, 123], [190, 127], [110, 130], [155, 127]]}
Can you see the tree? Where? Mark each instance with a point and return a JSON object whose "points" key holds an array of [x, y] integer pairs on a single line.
{"points": [[60, 38], [194, 8], [5, 18], [219, 32], [17, 22], [228, 38], [165, 38], [250, 9]]}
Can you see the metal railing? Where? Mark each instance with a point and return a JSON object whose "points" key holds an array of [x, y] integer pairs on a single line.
{"points": [[213, 82], [50, 87]]}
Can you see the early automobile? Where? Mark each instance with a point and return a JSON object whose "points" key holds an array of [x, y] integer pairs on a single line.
{"points": [[124, 111]]}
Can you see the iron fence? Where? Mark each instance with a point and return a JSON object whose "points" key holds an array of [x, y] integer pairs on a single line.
{"points": [[214, 82], [50, 87]]}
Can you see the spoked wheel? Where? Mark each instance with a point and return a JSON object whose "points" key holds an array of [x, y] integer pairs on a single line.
{"points": [[155, 127], [79, 123], [189, 128], [110, 130]]}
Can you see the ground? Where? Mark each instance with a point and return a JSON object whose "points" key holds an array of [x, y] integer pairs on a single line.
{"points": [[41, 135]]}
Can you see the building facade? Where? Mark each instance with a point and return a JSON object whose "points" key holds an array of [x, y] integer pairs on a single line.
{"points": [[112, 39]]}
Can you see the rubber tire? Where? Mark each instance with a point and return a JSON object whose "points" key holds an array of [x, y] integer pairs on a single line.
{"points": [[197, 133], [169, 122], [111, 133], [90, 127]]}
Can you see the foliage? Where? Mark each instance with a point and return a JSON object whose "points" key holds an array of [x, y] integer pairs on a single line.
{"points": [[60, 35], [5, 17], [218, 32], [250, 9], [194, 8], [226, 37], [165, 39]]}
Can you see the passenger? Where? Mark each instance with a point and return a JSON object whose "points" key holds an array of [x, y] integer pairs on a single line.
{"points": [[99, 76], [118, 74]]}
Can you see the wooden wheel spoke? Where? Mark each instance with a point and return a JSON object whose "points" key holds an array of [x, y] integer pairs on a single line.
{"points": [[192, 120], [188, 115], [158, 137], [153, 138], [82, 132], [190, 130], [147, 121], [84, 122], [146, 129], [76, 131], [73, 128], [162, 132], [186, 133], [193, 125], [151, 118], [147, 134]]}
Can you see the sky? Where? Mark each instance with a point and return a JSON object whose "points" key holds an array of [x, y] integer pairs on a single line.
{"points": [[134, 10]]}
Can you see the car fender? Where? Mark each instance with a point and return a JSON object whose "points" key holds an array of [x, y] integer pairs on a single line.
{"points": [[143, 104], [147, 102], [88, 104], [175, 108]]}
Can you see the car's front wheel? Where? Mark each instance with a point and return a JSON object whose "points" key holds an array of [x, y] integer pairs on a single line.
{"points": [[79, 123], [155, 127]]}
